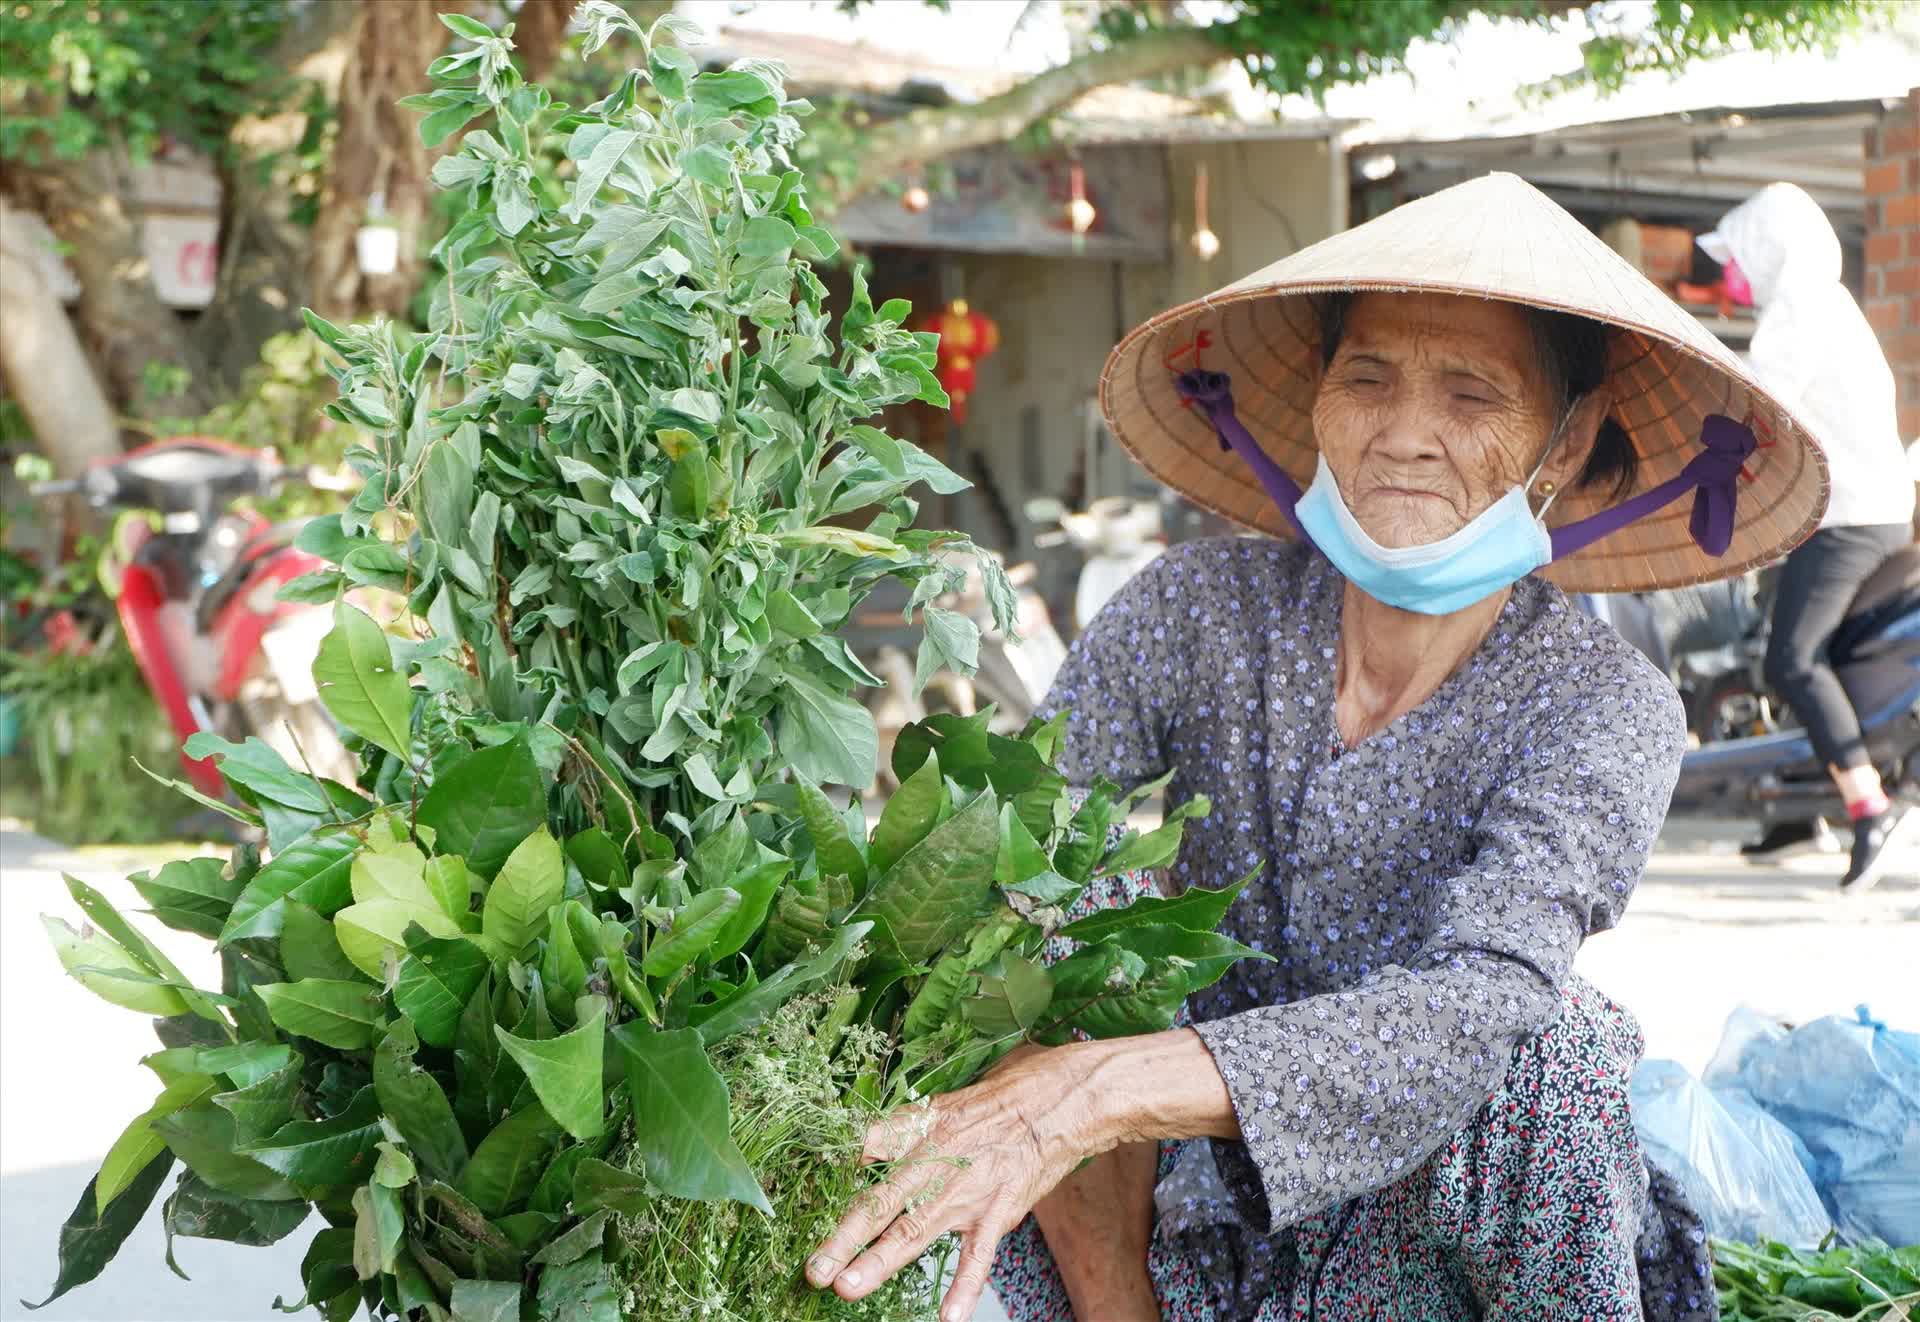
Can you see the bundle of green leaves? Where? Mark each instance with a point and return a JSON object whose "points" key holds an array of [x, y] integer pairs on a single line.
{"points": [[1770, 1281], [574, 1005]]}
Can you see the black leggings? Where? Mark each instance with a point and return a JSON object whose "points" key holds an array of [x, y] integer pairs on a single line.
{"points": [[1816, 584]]}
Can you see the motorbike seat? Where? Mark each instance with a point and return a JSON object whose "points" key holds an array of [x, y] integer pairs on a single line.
{"points": [[235, 576], [1897, 575], [1890, 592]]}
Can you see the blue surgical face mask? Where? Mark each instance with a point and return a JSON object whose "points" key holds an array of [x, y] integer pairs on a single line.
{"points": [[1503, 545]]}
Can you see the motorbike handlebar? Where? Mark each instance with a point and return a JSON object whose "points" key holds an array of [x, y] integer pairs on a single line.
{"points": [[59, 486]]}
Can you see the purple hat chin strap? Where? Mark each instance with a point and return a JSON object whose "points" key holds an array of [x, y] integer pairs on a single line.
{"points": [[1712, 475], [1213, 392]]}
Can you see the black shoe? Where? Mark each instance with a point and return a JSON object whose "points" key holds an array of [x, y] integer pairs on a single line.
{"points": [[1870, 837], [1780, 837]]}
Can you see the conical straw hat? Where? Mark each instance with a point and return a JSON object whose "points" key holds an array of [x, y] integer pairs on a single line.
{"points": [[1494, 237]]}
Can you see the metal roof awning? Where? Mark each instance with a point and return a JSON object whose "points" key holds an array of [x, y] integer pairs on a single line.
{"points": [[1698, 161]]}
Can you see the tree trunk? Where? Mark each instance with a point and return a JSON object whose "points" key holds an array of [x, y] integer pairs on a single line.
{"points": [[377, 152], [265, 255], [130, 330], [539, 32], [45, 369]]}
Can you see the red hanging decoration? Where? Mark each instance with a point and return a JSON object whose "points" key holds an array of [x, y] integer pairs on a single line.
{"points": [[966, 337]]}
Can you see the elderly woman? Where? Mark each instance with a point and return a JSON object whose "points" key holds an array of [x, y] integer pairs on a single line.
{"points": [[1445, 777]]}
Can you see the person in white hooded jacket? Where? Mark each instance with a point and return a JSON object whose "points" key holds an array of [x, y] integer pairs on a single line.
{"points": [[1813, 349]]}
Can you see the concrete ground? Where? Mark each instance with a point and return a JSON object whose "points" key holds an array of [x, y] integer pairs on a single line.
{"points": [[1706, 933]]}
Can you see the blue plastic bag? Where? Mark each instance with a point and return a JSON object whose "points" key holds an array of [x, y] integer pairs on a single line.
{"points": [[1850, 1090], [1737, 1165]]}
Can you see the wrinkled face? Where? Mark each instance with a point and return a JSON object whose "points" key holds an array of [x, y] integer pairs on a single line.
{"points": [[1432, 409]]}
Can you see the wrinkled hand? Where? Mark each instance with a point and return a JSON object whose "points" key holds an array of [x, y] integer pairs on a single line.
{"points": [[973, 1161]]}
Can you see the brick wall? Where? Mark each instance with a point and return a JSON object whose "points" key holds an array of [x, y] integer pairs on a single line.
{"points": [[1893, 249]]}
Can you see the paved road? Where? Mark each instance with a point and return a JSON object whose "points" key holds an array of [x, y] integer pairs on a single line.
{"points": [[1706, 933]]}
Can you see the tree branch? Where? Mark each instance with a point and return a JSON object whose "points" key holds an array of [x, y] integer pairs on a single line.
{"points": [[927, 135]]}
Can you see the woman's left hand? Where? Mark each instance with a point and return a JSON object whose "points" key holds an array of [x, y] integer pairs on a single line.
{"points": [[973, 1161]]}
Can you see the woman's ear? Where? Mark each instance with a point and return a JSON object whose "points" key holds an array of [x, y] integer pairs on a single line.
{"points": [[1576, 441]]}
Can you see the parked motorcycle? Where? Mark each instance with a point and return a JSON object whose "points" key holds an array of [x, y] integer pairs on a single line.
{"points": [[194, 585], [1118, 537], [1776, 776]]}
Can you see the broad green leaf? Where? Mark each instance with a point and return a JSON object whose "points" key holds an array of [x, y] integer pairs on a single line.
{"points": [[470, 28], [308, 946], [938, 889], [144, 953], [488, 803], [696, 926], [378, 1224], [1205, 956], [436, 979], [197, 1210], [92, 1234], [392, 868], [529, 884], [256, 767], [581, 1291], [747, 1008], [765, 238], [507, 1164], [372, 931], [589, 1236], [565, 1071], [757, 887], [393, 1168], [730, 88], [138, 1145], [597, 1185], [599, 859], [594, 170], [336, 1014], [555, 1189], [1197, 910], [359, 684], [92, 959], [417, 1106], [1158, 847], [787, 614], [485, 1301], [951, 642], [798, 919], [827, 736], [190, 894], [909, 815], [203, 1137], [337, 1150], [1106, 991], [563, 969], [262, 1106], [1011, 1001], [837, 854], [327, 1273], [313, 870], [687, 1143]]}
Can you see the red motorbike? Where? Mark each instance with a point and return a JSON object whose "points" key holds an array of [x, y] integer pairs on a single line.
{"points": [[195, 587]]}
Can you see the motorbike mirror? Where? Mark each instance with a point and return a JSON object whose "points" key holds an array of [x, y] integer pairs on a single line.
{"points": [[1044, 509]]}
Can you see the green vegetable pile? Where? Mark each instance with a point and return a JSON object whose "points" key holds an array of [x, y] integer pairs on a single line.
{"points": [[575, 1004], [1773, 1282]]}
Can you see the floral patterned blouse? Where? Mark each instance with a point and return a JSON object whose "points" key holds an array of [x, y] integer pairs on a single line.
{"points": [[1422, 893]]}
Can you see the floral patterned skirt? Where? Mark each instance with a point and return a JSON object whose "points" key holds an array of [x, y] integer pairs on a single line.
{"points": [[1541, 1208]]}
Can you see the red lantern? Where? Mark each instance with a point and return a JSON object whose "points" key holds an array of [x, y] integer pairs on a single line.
{"points": [[966, 337]]}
